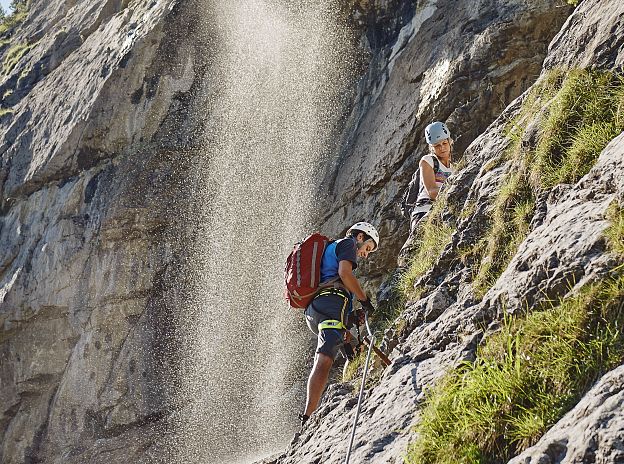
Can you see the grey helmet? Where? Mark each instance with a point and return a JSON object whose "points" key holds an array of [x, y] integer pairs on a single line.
{"points": [[436, 132]]}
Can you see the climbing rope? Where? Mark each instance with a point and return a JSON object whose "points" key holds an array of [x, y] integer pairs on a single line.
{"points": [[359, 403]]}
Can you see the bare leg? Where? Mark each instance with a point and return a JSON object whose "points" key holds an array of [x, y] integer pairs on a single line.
{"points": [[317, 381], [408, 247]]}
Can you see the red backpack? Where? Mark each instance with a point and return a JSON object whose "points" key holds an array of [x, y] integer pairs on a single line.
{"points": [[303, 270]]}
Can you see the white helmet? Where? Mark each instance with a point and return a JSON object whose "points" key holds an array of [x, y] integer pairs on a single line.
{"points": [[436, 132], [368, 229]]}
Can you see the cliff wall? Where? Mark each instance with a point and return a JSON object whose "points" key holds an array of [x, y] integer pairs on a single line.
{"points": [[463, 68], [455, 311], [105, 108], [96, 136]]}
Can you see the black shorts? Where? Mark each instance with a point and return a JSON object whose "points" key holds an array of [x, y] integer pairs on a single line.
{"points": [[324, 308]]}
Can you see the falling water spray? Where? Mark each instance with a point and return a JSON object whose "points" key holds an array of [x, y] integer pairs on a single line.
{"points": [[279, 71]]}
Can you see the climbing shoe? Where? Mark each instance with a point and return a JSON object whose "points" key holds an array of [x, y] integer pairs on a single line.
{"points": [[302, 420]]}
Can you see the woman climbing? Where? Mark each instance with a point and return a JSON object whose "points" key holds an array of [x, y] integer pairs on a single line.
{"points": [[428, 181]]}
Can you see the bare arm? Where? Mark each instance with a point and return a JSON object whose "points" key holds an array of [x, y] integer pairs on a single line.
{"points": [[345, 271], [429, 179]]}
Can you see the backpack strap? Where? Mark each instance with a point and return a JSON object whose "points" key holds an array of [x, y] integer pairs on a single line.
{"points": [[436, 164], [411, 194]]}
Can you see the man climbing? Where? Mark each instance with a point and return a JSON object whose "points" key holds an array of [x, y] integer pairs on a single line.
{"points": [[329, 312], [429, 179]]}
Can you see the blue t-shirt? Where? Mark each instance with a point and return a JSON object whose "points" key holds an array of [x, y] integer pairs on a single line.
{"points": [[340, 250]]}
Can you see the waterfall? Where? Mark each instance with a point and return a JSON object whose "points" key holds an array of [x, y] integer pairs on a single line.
{"points": [[279, 72]]}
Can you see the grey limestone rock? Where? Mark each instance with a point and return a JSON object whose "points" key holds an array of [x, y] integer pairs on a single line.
{"points": [[95, 173], [465, 68], [563, 250], [593, 431], [592, 37], [88, 265]]}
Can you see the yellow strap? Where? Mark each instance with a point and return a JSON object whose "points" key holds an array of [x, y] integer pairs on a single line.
{"points": [[333, 291], [331, 324]]}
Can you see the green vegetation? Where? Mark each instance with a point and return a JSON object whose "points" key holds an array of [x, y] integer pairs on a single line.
{"points": [[12, 57], [513, 211], [527, 376], [615, 232], [355, 369], [433, 236], [586, 113], [18, 15], [581, 111], [7, 26], [4, 111]]}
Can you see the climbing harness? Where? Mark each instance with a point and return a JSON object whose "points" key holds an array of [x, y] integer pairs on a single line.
{"points": [[359, 403], [334, 323], [331, 324]]}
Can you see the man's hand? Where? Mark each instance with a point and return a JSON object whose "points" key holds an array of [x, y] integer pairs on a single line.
{"points": [[367, 305]]}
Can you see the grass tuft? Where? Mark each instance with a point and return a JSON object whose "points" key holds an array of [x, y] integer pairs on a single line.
{"points": [[578, 114], [433, 236], [13, 55], [525, 378], [513, 211], [584, 116], [353, 367], [615, 232], [528, 375]]}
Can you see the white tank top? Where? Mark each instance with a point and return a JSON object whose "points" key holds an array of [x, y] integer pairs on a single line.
{"points": [[440, 177]]}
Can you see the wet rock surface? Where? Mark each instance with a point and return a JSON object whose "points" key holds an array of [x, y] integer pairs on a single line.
{"points": [[91, 161]]}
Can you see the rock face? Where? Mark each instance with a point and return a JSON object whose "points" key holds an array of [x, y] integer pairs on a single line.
{"points": [[105, 113], [445, 326], [592, 432], [463, 68], [89, 181]]}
